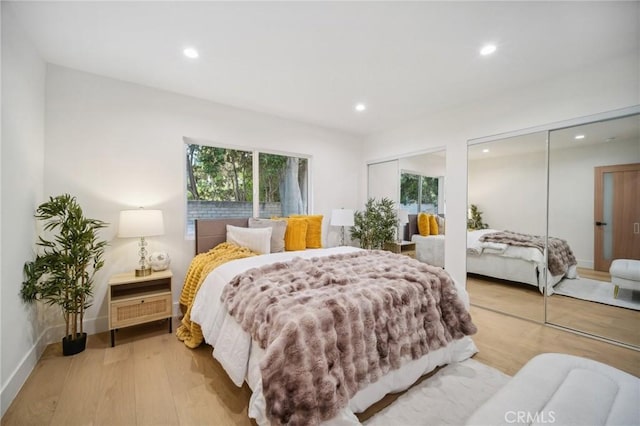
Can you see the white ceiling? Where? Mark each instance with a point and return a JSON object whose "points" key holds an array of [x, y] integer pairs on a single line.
{"points": [[608, 132], [312, 61]]}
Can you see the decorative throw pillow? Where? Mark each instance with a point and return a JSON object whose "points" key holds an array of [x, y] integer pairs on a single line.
{"points": [[423, 224], [440, 225], [433, 225], [278, 229], [314, 229], [257, 240], [295, 238]]}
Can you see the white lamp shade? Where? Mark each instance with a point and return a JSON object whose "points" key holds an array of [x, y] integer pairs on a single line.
{"points": [[403, 216], [140, 223], [342, 217]]}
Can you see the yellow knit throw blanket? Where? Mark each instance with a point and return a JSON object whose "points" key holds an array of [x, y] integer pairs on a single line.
{"points": [[189, 332]]}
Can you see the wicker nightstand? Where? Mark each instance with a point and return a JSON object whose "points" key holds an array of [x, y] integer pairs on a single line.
{"points": [[405, 247], [136, 300]]}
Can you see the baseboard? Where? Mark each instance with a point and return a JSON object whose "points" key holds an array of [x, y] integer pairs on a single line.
{"points": [[52, 334], [587, 264], [20, 375]]}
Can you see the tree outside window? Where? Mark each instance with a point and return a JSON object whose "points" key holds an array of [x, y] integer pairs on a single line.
{"points": [[220, 183], [418, 193]]}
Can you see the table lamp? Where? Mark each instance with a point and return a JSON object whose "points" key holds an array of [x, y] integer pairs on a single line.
{"points": [[141, 223], [403, 219], [342, 217]]}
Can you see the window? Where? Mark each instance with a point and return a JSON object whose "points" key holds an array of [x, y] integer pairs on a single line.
{"points": [[419, 193], [220, 183], [283, 185]]}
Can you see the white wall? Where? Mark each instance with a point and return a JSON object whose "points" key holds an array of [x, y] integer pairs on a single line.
{"points": [[511, 191], [587, 91], [22, 157], [571, 191], [117, 145], [432, 164]]}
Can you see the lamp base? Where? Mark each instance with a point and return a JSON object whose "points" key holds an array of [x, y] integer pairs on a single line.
{"points": [[143, 272]]}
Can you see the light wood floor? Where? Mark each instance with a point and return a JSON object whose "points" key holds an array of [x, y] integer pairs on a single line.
{"points": [[150, 378], [525, 301]]}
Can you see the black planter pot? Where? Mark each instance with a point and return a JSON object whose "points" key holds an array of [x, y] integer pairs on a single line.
{"points": [[72, 347]]}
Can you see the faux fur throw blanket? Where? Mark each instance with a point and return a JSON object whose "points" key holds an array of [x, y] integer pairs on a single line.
{"points": [[560, 257], [331, 325]]}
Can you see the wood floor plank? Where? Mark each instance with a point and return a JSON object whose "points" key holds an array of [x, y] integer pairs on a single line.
{"points": [[117, 385], [507, 343], [145, 371], [523, 301], [153, 393], [38, 398], [80, 391]]}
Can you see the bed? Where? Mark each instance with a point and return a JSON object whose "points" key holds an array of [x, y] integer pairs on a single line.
{"points": [[492, 259], [241, 355]]}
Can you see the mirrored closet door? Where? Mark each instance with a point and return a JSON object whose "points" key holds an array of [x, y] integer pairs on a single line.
{"points": [[594, 205], [507, 224], [416, 184]]}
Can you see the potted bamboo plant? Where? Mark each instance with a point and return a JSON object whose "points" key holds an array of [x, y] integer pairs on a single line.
{"points": [[62, 273], [376, 224]]}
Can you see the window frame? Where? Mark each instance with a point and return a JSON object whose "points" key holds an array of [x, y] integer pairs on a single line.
{"points": [[255, 153], [440, 199]]}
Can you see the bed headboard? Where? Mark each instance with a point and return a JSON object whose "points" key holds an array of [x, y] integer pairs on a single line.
{"points": [[211, 232], [411, 228]]}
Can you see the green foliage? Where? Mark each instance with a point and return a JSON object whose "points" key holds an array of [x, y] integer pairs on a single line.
{"points": [[222, 174], [376, 224], [219, 174], [63, 271], [475, 221], [417, 189]]}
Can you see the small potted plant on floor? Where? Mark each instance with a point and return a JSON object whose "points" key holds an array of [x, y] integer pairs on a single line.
{"points": [[376, 224], [62, 273]]}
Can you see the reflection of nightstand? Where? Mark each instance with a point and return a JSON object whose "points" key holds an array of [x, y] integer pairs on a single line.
{"points": [[405, 247], [136, 300]]}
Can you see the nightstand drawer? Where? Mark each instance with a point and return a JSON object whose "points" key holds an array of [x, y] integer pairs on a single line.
{"points": [[138, 310]]}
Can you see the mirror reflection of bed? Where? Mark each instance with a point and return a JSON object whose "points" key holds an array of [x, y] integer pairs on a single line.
{"points": [[508, 183]]}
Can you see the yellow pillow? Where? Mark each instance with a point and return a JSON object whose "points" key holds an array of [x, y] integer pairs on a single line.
{"points": [[423, 224], [314, 229], [433, 225], [295, 237]]}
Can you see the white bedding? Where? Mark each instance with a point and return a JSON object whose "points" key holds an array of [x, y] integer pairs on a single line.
{"points": [[240, 356], [498, 260], [429, 249], [495, 260]]}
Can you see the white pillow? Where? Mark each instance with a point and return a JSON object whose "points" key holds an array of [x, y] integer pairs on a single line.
{"points": [[255, 239]]}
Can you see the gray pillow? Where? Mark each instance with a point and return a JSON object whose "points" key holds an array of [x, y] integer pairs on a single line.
{"points": [[278, 228]]}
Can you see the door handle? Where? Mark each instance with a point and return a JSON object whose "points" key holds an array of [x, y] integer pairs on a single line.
{"points": [[598, 223], [636, 228]]}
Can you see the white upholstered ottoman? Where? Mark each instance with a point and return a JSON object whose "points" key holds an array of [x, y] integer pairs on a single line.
{"points": [[558, 389], [625, 273]]}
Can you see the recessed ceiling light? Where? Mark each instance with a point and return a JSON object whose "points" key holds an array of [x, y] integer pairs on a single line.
{"points": [[191, 52], [579, 137], [485, 150], [360, 107], [488, 49]]}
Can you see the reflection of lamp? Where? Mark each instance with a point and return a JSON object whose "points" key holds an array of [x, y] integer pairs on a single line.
{"points": [[403, 219], [342, 217], [141, 223]]}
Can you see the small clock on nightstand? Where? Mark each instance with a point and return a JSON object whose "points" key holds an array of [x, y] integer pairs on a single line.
{"points": [[136, 300]]}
